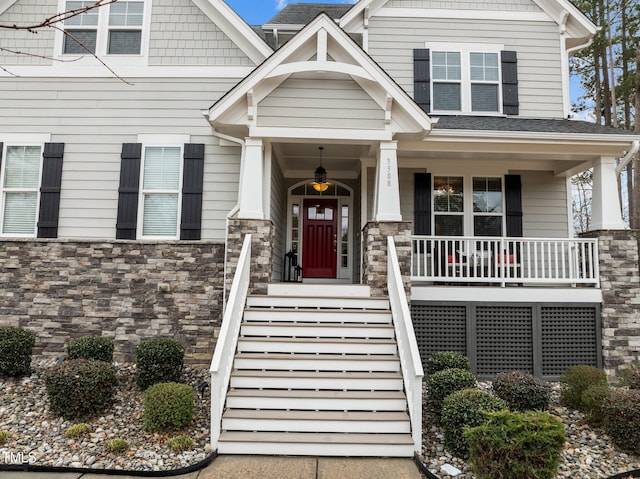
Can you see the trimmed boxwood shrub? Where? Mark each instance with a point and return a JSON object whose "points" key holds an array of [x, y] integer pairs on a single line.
{"points": [[630, 376], [447, 360], [168, 406], [465, 409], [80, 388], [91, 347], [514, 445], [158, 360], [622, 419], [16, 347], [443, 383], [575, 381], [522, 391], [593, 400]]}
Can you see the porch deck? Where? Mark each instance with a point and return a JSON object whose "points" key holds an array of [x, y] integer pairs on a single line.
{"points": [[503, 261]]}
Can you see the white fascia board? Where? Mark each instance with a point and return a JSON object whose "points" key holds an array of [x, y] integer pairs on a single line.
{"points": [[492, 136], [5, 4], [276, 133], [353, 19], [236, 28], [578, 25], [506, 295], [271, 65]]}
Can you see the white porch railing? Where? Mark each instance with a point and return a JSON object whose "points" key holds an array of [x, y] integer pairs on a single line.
{"points": [[502, 261], [410, 362], [227, 341]]}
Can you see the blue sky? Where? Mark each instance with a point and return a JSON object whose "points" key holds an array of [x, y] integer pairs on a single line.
{"points": [[257, 12]]}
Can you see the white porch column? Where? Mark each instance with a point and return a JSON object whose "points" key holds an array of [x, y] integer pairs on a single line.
{"points": [[387, 194], [251, 199], [605, 204]]}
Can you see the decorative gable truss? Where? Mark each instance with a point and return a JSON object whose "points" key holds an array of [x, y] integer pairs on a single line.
{"points": [[319, 53]]}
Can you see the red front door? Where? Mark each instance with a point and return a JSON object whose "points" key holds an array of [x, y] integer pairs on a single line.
{"points": [[319, 244]]}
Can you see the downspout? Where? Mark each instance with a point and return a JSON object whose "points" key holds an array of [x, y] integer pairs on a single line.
{"points": [[232, 212], [635, 146]]}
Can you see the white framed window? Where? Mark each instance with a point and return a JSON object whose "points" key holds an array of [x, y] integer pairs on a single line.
{"points": [[160, 192], [120, 28], [466, 78], [487, 206], [20, 189]]}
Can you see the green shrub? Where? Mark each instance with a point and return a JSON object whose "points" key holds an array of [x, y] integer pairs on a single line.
{"points": [[447, 360], [117, 445], [180, 443], [4, 437], [443, 383], [465, 409], [593, 400], [575, 381], [158, 360], [91, 347], [80, 388], [630, 376], [514, 445], [16, 347], [78, 430], [168, 406], [522, 391], [622, 419]]}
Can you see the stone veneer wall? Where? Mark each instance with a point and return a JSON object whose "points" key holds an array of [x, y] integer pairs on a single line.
{"points": [[262, 241], [620, 284], [374, 267], [124, 290]]}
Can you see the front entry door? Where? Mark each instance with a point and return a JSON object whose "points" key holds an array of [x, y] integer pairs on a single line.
{"points": [[320, 235]]}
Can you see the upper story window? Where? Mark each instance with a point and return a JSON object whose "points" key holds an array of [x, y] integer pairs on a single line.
{"points": [[465, 81], [20, 186], [115, 29]]}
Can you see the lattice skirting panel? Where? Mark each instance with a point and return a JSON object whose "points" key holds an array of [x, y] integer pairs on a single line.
{"points": [[543, 339]]}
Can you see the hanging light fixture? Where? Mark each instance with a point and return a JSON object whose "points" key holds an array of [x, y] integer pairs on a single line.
{"points": [[320, 182]]}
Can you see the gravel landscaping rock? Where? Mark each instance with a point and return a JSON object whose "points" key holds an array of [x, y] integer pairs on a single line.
{"points": [[38, 436], [588, 453]]}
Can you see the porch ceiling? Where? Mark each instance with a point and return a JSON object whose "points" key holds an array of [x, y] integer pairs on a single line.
{"points": [[299, 160]]}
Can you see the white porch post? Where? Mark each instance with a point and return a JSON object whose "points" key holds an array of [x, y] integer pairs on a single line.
{"points": [[605, 206], [251, 199], [387, 194]]}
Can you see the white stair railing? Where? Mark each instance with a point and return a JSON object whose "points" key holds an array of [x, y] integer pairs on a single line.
{"points": [[410, 362], [225, 350]]}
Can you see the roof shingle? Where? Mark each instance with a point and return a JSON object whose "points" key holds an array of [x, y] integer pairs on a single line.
{"points": [[303, 13]]}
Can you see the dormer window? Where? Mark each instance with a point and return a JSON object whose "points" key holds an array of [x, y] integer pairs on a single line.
{"points": [[116, 29]]}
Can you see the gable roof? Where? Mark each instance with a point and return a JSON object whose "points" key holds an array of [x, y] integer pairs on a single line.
{"points": [[322, 46], [5, 4], [577, 27], [303, 13]]}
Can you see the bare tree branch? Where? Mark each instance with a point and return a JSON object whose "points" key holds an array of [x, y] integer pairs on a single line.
{"points": [[44, 57]]}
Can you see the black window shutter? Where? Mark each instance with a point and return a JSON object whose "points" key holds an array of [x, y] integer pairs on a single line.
{"points": [[127, 220], [422, 78], [510, 103], [1, 150], [50, 190], [422, 204], [513, 207], [192, 178]]}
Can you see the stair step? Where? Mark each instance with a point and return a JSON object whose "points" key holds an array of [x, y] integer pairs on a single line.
{"points": [[316, 444], [316, 400], [308, 330], [319, 290], [316, 421], [317, 316], [315, 302], [317, 345], [317, 362], [381, 381]]}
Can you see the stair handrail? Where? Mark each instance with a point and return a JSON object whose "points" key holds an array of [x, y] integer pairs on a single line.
{"points": [[225, 349], [410, 362]]}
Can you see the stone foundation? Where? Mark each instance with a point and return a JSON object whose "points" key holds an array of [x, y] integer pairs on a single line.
{"points": [[262, 237], [124, 290], [620, 283], [374, 262]]}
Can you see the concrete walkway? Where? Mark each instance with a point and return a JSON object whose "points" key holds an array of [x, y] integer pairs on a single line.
{"points": [[271, 467]]}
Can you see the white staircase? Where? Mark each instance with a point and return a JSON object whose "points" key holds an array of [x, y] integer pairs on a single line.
{"points": [[316, 373]]}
